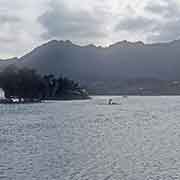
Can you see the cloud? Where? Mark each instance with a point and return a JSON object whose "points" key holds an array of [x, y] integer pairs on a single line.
{"points": [[164, 8], [27, 24], [159, 21], [135, 24], [19, 29], [63, 22], [8, 19], [9, 24], [167, 28], [167, 31]]}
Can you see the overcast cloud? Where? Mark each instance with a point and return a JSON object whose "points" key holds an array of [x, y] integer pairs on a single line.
{"points": [[26, 24]]}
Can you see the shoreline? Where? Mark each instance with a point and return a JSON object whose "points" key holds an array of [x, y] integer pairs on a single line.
{"points": [[10, 101]]}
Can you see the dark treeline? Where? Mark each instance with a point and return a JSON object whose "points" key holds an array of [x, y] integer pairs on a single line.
{"points": [[28, 84]]}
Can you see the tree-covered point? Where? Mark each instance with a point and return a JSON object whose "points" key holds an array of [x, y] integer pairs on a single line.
{"points": [[28, 84]]}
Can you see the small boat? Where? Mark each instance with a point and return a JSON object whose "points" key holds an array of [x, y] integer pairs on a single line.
{"points": [[125, 96], [110, 102]]}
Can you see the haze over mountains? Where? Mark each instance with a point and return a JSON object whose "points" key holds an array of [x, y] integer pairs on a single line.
{"points": [[117, 63]]}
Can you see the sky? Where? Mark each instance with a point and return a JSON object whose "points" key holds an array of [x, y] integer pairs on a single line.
{"points": [[25, 25]]}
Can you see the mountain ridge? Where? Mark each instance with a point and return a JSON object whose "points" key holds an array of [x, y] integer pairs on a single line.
{"points": [[115, 63], [120, 44]]}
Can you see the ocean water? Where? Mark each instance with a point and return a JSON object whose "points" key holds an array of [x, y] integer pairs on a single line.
{"points": [[137, 139]]}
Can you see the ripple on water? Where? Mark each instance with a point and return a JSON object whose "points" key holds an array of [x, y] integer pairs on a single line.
{"points": [[88, 140]]}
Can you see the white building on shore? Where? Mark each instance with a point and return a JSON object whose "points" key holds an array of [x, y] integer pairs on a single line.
{"points": [[2, 94]]}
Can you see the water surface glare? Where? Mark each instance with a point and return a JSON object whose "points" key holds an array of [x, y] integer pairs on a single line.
{"points": [[138, 139]]}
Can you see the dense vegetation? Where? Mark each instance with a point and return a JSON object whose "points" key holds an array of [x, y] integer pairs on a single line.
{"points": [[28, 84]]}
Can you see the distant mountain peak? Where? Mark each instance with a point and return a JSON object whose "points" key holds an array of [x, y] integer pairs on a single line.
{"points": [[57, 43], [126, 44], [120, 44], [66, 42]]}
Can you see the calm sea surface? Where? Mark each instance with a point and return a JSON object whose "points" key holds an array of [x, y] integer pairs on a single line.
{"points": [[139, 139]]}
